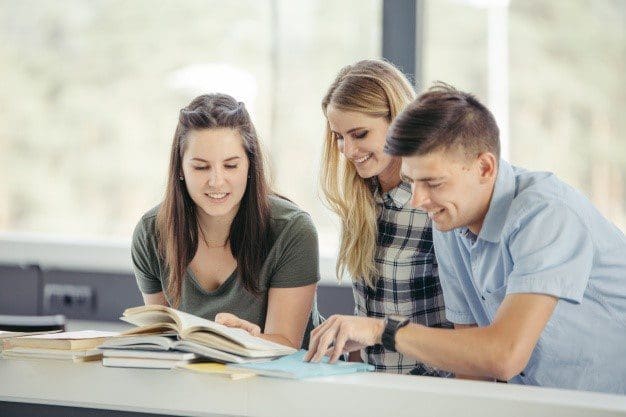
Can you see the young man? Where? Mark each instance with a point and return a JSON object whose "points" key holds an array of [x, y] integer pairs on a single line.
{"points": [[533, 276]]}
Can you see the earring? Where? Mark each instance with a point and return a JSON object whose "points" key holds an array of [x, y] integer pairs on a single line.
{"points": [[181, 178]]}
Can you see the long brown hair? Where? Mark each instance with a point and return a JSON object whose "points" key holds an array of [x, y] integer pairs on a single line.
{"points": [[378, 89], [177, 224]]}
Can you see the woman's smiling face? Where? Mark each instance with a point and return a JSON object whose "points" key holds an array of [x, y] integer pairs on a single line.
{"points": [[361, 139]]}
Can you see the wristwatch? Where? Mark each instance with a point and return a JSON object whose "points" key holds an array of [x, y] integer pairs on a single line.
{"points": [[392, 325]]}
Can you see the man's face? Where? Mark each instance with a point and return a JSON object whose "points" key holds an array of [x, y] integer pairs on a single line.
{"points": [[454, 189]]}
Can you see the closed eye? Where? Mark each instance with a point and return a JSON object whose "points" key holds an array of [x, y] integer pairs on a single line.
{"points": [[435, 185], [360, 135], [231, 166]]}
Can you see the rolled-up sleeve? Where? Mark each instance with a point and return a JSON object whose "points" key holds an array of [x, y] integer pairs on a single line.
{"points": [[552, 253]]}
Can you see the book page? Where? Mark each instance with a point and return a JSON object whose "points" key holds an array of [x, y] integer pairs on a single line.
{"points": [[190, 323], [148, 317], [5, 334], [83, 334]]}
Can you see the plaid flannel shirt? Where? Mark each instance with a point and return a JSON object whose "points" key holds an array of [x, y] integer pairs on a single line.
{"points": [[408, 283]]}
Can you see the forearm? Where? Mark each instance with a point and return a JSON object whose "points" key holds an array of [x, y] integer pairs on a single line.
{"points": [[477, 352], [278, 338]]}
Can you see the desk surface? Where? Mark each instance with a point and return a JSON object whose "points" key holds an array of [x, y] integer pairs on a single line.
{"points": [[179, 392]]}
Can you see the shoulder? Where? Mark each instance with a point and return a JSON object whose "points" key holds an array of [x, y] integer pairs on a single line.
{"points": [[146, 226], [287, 216], [541, 195]]}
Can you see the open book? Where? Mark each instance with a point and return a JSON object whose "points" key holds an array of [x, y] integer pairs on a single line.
{"points": [[160, 319], [147, 344]]}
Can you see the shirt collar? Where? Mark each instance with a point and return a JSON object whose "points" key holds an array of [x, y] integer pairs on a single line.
{"points": [[397, 197], [503, 194]]}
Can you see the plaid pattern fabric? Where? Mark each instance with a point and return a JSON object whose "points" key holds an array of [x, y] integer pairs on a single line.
{"points": [[408, 283]]}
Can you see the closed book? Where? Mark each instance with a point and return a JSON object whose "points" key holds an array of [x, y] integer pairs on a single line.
{"points": [[162, 319], [148, 354], [85, 339], [41, 353], [142, 363], [294, 367]]}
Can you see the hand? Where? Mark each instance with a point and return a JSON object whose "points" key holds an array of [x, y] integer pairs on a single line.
{"points": [[341, 334], [230, 320]]}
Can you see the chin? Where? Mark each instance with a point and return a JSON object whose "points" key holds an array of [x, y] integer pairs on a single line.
{"points": [[217, 211], [442, 227], [367, 173]]}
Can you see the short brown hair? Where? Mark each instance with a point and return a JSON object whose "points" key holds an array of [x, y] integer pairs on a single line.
{"points": [[443, 118]]}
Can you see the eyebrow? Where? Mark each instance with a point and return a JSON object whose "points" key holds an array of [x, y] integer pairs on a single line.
{"points": [[425, 179], [350, 131], [225, 160], [428, 179]]}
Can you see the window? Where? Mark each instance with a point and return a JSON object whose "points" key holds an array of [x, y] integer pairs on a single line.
{"points": [[91, 93], [552, 72]]}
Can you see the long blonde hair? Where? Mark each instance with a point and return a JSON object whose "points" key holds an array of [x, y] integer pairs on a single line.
{"points": [[375, 88]]}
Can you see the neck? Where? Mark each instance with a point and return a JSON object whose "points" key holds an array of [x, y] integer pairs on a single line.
{"points": [[215, 229], [477, 224], [390, 177]]}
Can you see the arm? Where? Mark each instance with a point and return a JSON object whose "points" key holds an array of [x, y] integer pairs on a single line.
{"points": [[461, 376], [500, 350], [156, 298], [288, 313]]}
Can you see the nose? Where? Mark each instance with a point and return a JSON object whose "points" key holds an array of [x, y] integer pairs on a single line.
{"points": [[349, 148], [419, 196], [216, 178]]}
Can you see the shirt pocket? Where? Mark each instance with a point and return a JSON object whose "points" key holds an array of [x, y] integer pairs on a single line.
{"points": [[492, 299]]}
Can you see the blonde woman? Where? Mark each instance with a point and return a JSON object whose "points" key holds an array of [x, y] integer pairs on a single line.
{"points": [[386, 246]]}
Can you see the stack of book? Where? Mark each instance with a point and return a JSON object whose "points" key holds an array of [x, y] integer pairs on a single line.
{"points": [[78, 346], [168, 338]]}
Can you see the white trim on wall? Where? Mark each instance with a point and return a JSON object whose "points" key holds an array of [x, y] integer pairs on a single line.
{"points": [[98, 255]]}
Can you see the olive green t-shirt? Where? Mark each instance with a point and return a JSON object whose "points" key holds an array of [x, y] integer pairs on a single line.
{"points": [[293, 261]]}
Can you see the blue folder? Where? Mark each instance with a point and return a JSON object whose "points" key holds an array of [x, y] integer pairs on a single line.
{"points": [[293, 366]]}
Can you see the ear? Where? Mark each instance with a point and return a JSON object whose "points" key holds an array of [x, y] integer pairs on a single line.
{"points": [[488, 167]]}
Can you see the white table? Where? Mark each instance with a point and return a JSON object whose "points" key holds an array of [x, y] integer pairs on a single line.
{"points": [[92, 386]]}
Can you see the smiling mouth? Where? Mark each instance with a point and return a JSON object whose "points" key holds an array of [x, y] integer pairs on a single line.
{"points": [[217, 196], [362, 159], [434, 213]]}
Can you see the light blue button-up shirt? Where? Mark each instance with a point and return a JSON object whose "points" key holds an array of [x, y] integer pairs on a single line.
{"points": [[542, 236]]}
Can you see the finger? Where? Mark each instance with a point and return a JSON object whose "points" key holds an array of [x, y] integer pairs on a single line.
{"points": [[340, 342], [325, 341], [315, 335], [315, 346], [252, 328], [224, 318], [322, 327]]}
